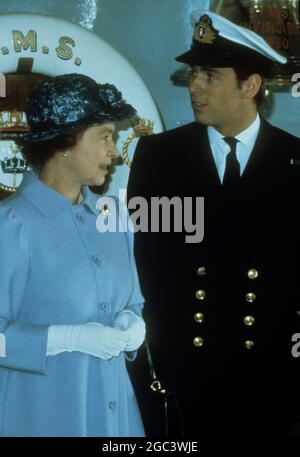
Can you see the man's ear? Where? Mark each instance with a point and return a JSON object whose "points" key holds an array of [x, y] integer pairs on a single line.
{"points": [[251, 86]]}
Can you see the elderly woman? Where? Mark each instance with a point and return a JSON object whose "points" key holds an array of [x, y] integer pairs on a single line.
{"points": [[70, 303]]}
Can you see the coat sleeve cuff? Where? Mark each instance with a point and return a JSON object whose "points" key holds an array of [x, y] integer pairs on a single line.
{"points": [[25, 348]]}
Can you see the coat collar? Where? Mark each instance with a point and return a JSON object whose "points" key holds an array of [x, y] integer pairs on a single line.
{"points": [[48, 201]]}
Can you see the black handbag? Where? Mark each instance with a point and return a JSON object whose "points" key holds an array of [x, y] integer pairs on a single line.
{"points": [[168, 401]]}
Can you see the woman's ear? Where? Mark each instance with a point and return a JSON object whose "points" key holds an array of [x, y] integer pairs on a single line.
{"points": [[63, 153]]}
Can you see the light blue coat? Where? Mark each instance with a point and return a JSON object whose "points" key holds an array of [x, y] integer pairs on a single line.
{"points": [[57, 268]]}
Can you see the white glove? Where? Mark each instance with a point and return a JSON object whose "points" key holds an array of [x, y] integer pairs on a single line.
{"points": [[134, 327], [92, 338]]}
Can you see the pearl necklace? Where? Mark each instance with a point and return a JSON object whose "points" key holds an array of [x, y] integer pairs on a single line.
{"points": [[79, 199]]}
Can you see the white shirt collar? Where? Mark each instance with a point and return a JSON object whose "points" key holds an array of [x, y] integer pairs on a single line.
{"points": [[247, 136], [220, 149]]}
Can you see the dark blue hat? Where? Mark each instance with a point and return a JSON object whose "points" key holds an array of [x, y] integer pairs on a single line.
{"points": [[218, 42], [67, 103]]}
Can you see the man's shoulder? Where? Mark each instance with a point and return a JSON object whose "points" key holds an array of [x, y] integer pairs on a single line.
{"points": [[283, 145], [179, 133], [277, 134]]}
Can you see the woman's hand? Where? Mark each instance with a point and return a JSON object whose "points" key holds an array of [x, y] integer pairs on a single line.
{"points": [[134, 327], [92, 338]]}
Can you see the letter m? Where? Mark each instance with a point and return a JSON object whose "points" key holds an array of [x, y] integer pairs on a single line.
{"points": [[21, 42]]}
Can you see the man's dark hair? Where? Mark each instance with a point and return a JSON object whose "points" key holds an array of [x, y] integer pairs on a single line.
{"points": [[243, 74]]}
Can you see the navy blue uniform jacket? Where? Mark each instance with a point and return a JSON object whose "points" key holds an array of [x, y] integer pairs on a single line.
{"points": [[221, 313]]}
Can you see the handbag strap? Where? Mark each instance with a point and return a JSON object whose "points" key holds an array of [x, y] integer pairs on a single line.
{"points": [[156, 386]]}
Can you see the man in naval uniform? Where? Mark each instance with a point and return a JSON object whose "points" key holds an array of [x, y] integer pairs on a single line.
{"points": [[221, 313]]}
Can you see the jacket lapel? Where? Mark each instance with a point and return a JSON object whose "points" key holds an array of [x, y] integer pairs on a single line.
{"points": [[263, 163], [202, 166]]}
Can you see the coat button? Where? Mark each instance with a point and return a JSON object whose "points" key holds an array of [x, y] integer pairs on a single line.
{"points": [[80, 217], [198, 341], [201, 271], [96, 259], [199, 317], [252, 273], [249, 320], [112, 405], [103, 307], [200, 294], [298, 313], [250, 297], [248, 344]]}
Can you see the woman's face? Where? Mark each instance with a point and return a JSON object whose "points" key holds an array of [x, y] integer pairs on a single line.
{"points": [[91, 157]]}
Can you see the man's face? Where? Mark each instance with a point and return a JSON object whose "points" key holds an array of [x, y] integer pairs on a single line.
{"points": [[216, 97]]}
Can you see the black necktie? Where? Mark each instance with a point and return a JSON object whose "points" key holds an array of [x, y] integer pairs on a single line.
{"points": [[232, 167]]}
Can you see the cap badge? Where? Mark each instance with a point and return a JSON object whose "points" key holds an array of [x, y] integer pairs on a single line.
{"points": [[204, 31]]}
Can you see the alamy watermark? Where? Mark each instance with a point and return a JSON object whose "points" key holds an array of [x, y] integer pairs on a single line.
{"points": [[296, 346], [160, 214]]}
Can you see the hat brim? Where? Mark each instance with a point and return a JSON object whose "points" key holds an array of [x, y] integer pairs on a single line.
{"points": [[114, 115], [194, 57], [224, 56]]}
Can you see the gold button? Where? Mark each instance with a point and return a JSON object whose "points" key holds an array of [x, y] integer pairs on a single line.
{"points": [[250, 297], [248, 344], [200, 294], [298, 313], [201, 271], [199, 317], [252, 273], [249, 320], [198, 341]]}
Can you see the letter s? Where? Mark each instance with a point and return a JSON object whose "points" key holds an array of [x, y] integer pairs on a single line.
{"points": [[64, 51]]}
